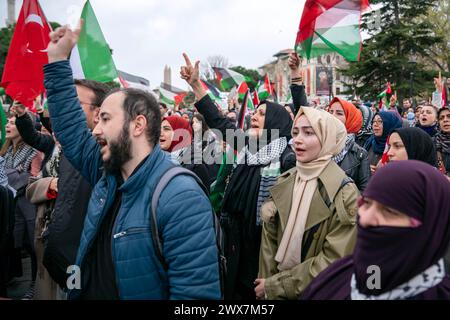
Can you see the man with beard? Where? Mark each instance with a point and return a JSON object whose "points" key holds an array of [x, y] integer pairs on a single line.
{"points": [[116, 257]]}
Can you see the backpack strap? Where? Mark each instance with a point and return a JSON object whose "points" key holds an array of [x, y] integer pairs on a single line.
{"points": [[167, 176]]}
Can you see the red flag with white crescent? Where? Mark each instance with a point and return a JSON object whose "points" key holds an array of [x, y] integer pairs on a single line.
{"points": [[23, 76]]}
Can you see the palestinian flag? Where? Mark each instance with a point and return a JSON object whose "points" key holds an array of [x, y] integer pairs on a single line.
{"points": [[331, 26], [247, 104], [387, 91], [131, 81], [268, 85], [444, 95], [255, 98], [242, 90], [171, 88], [171, 95], [3, 121], [228, 78], [243, 111], [91, 57], [211, 90], [263, 94], [250, 104]]}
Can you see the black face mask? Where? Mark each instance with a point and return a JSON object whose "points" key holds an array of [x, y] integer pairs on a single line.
{"points": [[385, 248], [120, 152]]}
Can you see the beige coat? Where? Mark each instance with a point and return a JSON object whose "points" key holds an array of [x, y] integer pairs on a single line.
{"points": [[335, 237], [45, 287]]}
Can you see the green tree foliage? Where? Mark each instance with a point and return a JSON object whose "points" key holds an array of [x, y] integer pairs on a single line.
{"points": [[439, 53], [402, 33], [5, 39], [252, 76]]}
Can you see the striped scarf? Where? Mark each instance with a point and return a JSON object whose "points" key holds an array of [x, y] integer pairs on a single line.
{"points": [[348, 144], [443, 142], [21, 160], [269, 157], [3, 177]]}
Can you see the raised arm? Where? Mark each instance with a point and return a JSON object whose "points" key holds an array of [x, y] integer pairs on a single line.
{"points": [[297, 88], [67, 117], [204, 105], [29, 134]]}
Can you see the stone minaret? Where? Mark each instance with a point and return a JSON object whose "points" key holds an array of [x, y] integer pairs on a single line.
{"points": [[167, 75], [11, 12]]}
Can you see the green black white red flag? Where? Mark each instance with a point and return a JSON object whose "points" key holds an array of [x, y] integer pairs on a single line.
{"points": [[331, 26]]}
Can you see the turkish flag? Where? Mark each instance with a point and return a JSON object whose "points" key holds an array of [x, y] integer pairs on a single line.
{"points": [[23, 76]]}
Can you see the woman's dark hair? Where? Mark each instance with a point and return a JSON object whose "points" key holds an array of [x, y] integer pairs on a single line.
{"points": [[200, 118]]}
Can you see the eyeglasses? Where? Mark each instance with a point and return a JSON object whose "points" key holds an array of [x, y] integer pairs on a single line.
{"points": [[87, 104], [377, 122]]}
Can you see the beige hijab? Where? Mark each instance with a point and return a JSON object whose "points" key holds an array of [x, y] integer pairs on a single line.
{"points": [[332, 135]]}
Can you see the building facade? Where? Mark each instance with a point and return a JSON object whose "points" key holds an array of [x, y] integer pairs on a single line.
{"points": [[320, 75]]}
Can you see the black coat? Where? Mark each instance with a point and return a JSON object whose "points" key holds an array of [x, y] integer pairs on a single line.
{"points": [[242, 237], [67, 223], [446, 160], [298, 97], [39, 141], [356, 166], [7, 209]]}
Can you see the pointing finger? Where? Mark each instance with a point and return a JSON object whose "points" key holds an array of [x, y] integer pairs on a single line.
{"points": [[188, 61]]}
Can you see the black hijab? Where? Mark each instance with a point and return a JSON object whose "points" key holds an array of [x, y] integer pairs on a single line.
{"points": [[241, 197], [418, 145], [242, 191], [419, 191]]}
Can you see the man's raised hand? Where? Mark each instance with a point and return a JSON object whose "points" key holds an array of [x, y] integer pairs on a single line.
{"points": [[62, 41]]}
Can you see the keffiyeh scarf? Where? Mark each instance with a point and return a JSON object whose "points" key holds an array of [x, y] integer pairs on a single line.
{"points": [[269, 158], [420, 283], [348, 144], [21, 160]]}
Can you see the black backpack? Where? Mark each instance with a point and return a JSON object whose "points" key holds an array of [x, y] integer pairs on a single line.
{"points": [[156, 238]]}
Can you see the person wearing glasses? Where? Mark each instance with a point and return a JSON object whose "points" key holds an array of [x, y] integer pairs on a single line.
{"points": [[384, 122]]}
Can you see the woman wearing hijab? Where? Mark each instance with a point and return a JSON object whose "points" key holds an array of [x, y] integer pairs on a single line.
{"points": [[353, 158], [206, 144], [383, 124], [366, 128], [310, 218], [404, 231], [176, 138], [428, 120], [442, 141], [411, 144], [262, 155]]}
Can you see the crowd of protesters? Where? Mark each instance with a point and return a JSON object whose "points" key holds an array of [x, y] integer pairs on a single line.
{"points": [[299, 203]]}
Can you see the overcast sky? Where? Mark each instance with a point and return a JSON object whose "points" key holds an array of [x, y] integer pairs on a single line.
{"points": [[148, 34]]}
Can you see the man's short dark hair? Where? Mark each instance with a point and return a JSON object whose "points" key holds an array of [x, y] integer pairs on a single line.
{"points": [[138, 102], [161, 104], [100, 90]]}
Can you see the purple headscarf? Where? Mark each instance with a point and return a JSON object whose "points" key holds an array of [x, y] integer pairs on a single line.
{"points": [[419, 191]]}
